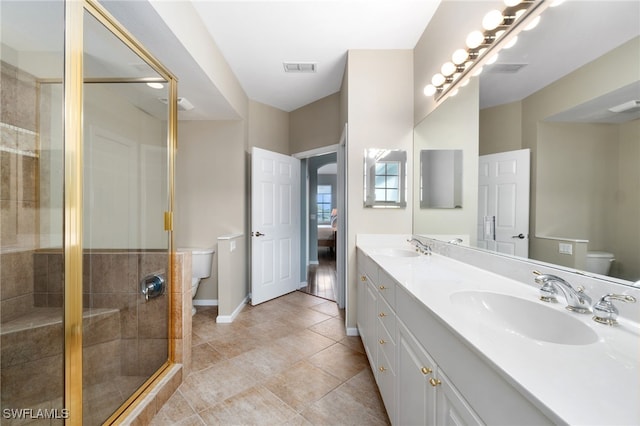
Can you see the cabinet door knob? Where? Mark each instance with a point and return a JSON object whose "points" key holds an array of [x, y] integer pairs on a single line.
{"points": [[434, 382], [382, 369], [363, 278], [382, 287], [382, 342], [426, 370], [382, 315]]}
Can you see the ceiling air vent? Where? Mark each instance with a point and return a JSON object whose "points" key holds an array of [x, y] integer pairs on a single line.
{"points": [[505, 68], [300, 66], [630, 106]]}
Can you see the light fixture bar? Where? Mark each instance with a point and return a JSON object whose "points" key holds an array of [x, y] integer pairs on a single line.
{"points": [[515, 19]]}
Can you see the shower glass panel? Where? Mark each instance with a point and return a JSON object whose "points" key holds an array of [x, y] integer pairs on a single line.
{"points": [[126, 248], [31, 201]]}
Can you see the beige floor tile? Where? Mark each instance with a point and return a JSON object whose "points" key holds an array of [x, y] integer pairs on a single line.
{"points": [[176, 410], [306, 342], [340, 408], [353, 342], [205, 388], [254, 406], [333, 328], [301, 385], [264, 361], [340, 361], [362, 388], [289, 357], [328, 307], [203, 356]]}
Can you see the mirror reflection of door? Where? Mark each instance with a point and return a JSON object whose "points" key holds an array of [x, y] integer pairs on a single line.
{"points": [[323, 226]]}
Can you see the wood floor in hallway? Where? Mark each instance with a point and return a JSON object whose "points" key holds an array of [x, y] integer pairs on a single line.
{"points": [[283, 362], [321, 278]]}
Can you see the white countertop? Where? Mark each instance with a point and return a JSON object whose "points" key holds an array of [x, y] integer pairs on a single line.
{"points": [[596, 383]]}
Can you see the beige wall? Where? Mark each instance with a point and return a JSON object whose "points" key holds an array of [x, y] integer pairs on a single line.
{"points": [[315, 125], [501, 128], [442, 130], [380, 115], [268, 128], [210, 187]]}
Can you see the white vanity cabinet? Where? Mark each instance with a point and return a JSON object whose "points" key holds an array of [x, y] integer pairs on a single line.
{"points": [[426, 374], [377, 327]]}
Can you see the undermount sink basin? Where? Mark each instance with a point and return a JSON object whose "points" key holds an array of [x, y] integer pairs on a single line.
{"points": [[527, 318], [397, 252]]}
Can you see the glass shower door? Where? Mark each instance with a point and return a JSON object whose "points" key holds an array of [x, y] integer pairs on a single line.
{"points": [[126, 247]]}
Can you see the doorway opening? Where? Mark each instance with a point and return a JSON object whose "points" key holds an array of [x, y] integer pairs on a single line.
{"points": [[322, 225], [323, 230]]}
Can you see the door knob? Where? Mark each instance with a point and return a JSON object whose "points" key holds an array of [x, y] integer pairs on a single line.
{"points": [[521, 236], [258, 234]]}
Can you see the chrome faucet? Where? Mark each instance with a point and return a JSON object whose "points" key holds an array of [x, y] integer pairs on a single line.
{"points": [[577, 300], [605, 312], [420, 246]]}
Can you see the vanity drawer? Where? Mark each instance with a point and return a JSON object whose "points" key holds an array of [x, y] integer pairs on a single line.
{"points": [[386, 318], [368, 266], [387, 288], [386, 345]]}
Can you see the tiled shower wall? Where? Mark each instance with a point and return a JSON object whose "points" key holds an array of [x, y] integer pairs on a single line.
{"points": [[18, 189], [111, 280]]}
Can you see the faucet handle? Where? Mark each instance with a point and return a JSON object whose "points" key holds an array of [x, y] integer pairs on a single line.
{"points": [[606, 312]]}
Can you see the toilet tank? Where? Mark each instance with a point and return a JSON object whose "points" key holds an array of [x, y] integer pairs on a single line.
{"points": [[201, 261], [598, 262]]}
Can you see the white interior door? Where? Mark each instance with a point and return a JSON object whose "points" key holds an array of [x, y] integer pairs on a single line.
{"points": [[275, 225], [503, 202]]}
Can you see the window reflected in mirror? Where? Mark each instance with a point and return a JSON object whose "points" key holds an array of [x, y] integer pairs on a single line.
{"points": [[385, 183]]}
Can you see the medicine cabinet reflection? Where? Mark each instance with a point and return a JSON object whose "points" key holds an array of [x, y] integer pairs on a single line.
{"points": [[441, 179], [385, 181]]}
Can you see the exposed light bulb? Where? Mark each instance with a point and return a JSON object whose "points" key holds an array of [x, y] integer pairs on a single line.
{"points": [[492, 19], [475, 39], [155, 85], [519, 13], [448, 68], [533, 24], [492, 60], [429, 90], [511, 3], [438, 79], [511, 43], [459, 56], [499, 34]]}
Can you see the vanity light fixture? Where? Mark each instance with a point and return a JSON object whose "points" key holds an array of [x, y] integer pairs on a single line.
{"points": [[500, 29]]}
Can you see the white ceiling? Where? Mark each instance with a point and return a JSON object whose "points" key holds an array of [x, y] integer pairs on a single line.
{"points": [[256, 37]]}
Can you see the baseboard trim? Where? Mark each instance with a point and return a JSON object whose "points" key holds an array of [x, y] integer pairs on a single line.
{"points": [[314, 262], [227, 319], [352, 331], [205, 302], [303, 284]]}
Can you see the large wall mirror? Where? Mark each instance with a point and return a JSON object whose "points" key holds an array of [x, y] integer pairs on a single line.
{"points": [[578, 119]]}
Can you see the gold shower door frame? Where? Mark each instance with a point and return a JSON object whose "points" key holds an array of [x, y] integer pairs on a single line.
{"points": [[73, 202]]}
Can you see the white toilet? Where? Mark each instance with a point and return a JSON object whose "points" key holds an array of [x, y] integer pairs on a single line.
{"points": [[201, 261], [598, 262]]}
